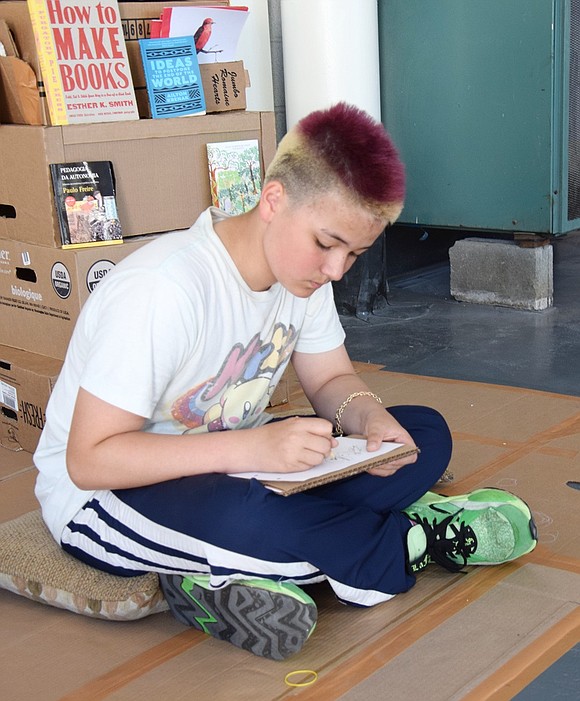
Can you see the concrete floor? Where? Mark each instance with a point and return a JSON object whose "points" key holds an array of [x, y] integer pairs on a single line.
{"points": [[421, 329]]}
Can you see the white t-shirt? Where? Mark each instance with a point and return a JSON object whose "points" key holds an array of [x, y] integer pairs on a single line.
{"points": [[174, 334]]}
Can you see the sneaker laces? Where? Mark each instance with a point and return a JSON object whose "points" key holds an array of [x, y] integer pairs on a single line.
{"points": [[443, 547]]}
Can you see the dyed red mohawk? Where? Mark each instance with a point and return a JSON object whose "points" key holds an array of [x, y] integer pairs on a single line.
{"points": [[358, 150]]}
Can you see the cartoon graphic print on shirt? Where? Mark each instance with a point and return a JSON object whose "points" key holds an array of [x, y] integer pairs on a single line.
{"points": [[237, 396]]}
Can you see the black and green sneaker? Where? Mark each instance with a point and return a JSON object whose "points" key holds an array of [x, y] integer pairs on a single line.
{"points": [[270, 619], [485, 527]]}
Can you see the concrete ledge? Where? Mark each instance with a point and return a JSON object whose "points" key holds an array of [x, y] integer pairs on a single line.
{"points": [[497, 272]]}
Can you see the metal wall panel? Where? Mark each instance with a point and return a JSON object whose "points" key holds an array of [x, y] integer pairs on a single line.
{"points": [[474, 94]]}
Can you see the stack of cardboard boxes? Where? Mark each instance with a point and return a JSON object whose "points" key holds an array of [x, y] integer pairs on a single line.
{"points": [[162, 184]]}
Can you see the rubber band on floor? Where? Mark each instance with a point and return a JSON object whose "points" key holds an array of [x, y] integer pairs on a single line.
{"points": [[305, 682]]}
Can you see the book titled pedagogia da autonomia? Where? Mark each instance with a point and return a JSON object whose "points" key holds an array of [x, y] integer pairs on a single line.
{"points": [[83, 60], [84, 194], [172, 76]]}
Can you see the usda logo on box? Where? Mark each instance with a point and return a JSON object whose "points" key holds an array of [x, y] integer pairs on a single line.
{"points": [[97, 272], [61, 281]]}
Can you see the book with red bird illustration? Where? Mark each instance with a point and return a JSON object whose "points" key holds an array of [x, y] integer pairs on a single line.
{"points": [[83, 60], [216, 30], [234, 175]]}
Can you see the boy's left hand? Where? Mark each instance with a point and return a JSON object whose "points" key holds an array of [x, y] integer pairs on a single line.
{"points": [[384, 427]]}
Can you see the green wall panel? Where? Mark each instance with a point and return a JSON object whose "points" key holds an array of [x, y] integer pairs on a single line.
{"points": [[471, 91]]}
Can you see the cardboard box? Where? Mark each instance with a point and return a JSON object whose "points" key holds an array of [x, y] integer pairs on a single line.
{"points": [[135, 18], [160, 168], [281, 394], [42, 290], [224, 85], [26, 382]]}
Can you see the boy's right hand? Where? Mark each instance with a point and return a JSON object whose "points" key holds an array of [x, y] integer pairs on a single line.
{"points": [[293, 444]]}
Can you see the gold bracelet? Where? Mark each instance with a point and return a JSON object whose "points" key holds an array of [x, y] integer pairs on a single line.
{"points": [[338, 431]]}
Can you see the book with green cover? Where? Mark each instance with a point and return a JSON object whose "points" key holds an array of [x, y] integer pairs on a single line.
{"points": [[234, 175]]}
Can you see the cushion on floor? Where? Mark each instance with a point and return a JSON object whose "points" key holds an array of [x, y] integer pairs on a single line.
{"points": [[33, 565]]}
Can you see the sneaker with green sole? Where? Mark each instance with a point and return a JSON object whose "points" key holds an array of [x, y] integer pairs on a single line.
{"points": [[485, 527], [270, 619]]}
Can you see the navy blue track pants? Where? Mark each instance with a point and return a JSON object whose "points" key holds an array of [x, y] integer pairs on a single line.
{"points": [[351, 533]]}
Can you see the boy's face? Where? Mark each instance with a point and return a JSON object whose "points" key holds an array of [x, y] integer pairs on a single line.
{"points": [[310, 244]]}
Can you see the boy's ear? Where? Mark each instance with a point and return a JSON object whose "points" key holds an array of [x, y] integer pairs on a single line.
{"points": [[272, 197]]}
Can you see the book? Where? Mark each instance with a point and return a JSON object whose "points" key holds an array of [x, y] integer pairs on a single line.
{"points": [[154, 28], [349, 458], [84, 195], [234, 175], [172, 77], [216, 30], [83, 60]]}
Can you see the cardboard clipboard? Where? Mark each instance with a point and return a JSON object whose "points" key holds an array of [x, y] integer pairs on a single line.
{"points": [[280, 483]]}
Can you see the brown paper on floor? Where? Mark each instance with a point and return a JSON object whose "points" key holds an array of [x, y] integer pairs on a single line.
{"points": [[488, 632]]}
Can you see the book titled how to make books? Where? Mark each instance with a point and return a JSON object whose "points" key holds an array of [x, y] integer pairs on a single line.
{"points": [[83, 60], [172, 76]]}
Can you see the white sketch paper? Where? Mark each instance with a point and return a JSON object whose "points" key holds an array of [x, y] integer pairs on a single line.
{"points": [[348, 452]]}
